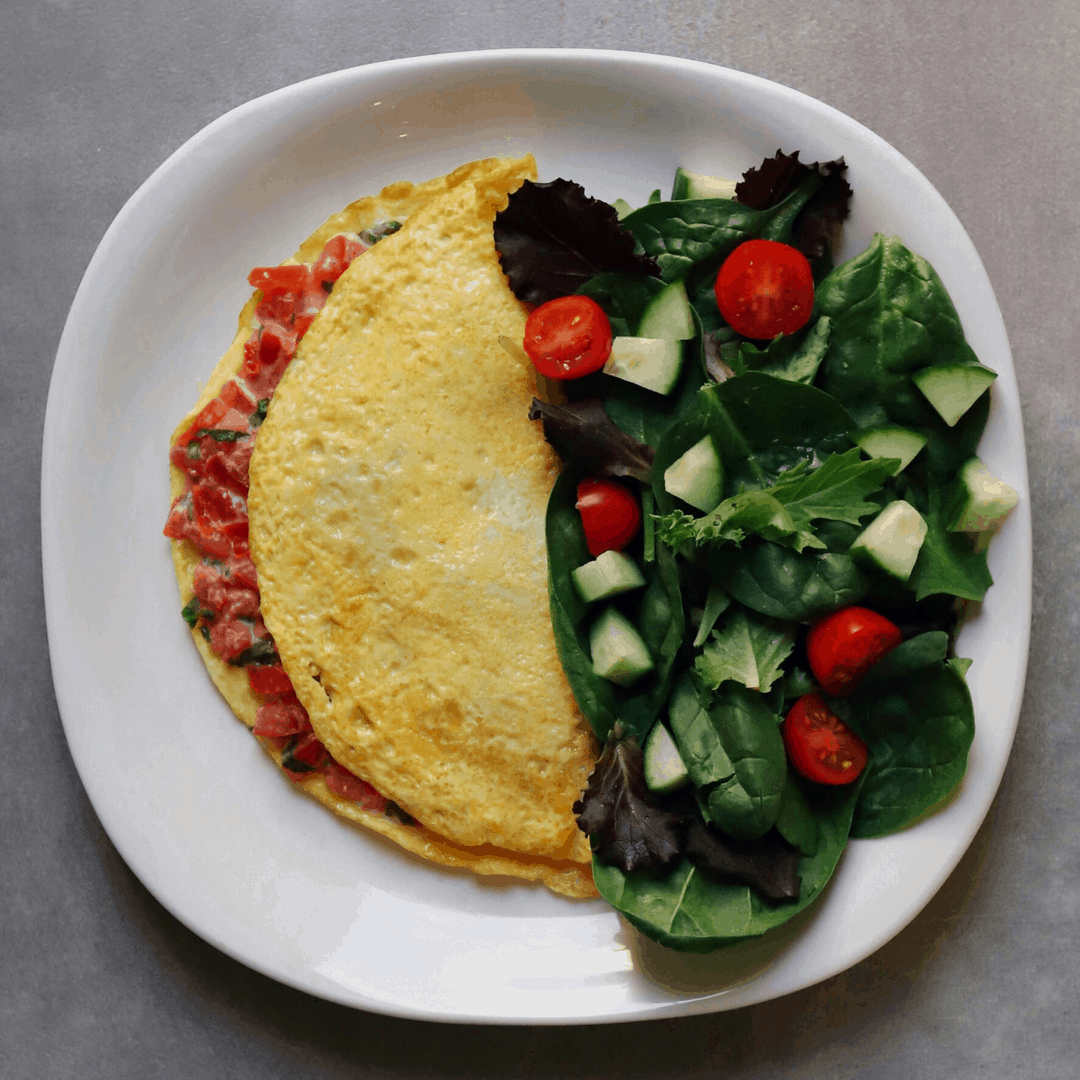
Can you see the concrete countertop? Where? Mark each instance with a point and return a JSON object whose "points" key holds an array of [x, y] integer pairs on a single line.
{"points": [[98, 980]]}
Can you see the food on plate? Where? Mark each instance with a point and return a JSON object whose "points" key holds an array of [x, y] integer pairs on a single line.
{"points": [[769, 661], [380, 620], [685, 480]]}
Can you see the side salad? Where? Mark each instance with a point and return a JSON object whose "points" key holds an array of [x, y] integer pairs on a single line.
{"points": [[770, 518]]}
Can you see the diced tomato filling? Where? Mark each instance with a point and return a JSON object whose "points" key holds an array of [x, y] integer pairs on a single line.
{"points": [[268, 679], [284, 717], [212, 511], [342, 782]]}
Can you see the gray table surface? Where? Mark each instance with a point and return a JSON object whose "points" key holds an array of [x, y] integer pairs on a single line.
{"points": [[97, 980]]}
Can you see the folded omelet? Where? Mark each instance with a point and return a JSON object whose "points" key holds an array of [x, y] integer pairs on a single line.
{"points": [[397, 500]]}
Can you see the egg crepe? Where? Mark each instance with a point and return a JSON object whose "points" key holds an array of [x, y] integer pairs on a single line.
{"points": [[490, 784], [398, 494]]}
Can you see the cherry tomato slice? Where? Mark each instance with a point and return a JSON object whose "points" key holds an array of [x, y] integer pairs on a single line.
{"points": [[765, 288], [843, 645], [609, 513], [568, 337], [820, 745]]}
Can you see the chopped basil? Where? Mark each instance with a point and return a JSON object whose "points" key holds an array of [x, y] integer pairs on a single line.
{"points": [[261, 651], [290, 761], [193, 611], [205, 633], [220, 434], [193, 451], [378, 231], [395, 811], [259, 415]]}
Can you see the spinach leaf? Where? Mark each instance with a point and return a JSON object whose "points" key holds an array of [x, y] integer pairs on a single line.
{"points": [[685, 909], [948, 561], [782, 583], [919, 729], [796, 822], [731, 745], [696, 233], [640, 413], [760, 426], [891, 317], [656, 611]]}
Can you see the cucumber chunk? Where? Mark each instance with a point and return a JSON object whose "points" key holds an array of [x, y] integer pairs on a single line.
{"points": [[667, 315], [618, 652], [653, 363], [664, 768], [893, 539], [697, 477], [607, 575], [978, 501], [891, 442], [953, 388], [692, 185]]}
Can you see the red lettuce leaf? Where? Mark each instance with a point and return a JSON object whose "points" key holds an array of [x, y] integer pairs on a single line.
{"points": [[552, 238], [768, 864], [817, 228], [617, 812], [582, 430]]}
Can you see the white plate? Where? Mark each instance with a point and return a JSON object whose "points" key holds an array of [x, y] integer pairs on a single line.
{"points": [[191, 802]]}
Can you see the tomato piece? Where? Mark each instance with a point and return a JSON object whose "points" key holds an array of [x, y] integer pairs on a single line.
{"points": [[765, 288], [820, 745], [610, 514], [340, 250], [280, 279], [842, 646], [568, 337], [269, 679]]}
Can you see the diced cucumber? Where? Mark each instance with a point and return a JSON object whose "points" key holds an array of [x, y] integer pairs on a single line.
{"points": [[698, 476], [608, 575], [664, 768], [692, 185], [667, 315], [892, 540], [618, 652], [653, 363], [891, 442], [953, 388], [978, 501]]}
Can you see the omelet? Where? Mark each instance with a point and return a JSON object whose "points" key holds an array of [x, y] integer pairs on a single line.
{"points": [[398, 492], [396, 506]]}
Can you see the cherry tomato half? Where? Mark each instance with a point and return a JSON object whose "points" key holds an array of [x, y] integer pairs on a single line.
{"points": [[568, 337], [843, 645], [765, 288], [609, 513], [820, 745]]}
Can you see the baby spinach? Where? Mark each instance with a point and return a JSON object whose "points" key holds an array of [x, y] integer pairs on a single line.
{"points": [[731, 745], [891, 317], [785, 584], [919, 729], [685, 909], [655, 610]]}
